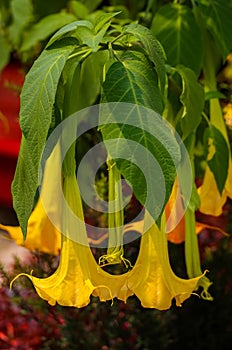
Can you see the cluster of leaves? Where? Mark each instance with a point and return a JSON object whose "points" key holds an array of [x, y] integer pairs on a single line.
{"points": [[26, 25], [103, 58], [27, 322]]}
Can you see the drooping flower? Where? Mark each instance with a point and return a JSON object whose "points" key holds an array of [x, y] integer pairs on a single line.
{"points": [[186, 231], [78, 274], [42, 235], [211, 201], [154, 282]]}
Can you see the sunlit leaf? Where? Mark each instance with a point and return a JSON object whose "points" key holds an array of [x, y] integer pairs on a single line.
{"points": [[176, 28], [218, 16]]}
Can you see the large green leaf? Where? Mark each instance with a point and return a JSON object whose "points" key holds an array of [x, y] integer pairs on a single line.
{"points": [[133, 80], [153, 47], [139, 134], [192, 99], [176, 28], [218, 155], [37, 99], [44, 28], [218, 16]]}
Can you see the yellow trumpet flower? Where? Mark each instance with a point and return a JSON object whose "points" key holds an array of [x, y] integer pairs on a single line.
{"points": [[78, 274], [42, 235], [154, 282], [211, 201]]}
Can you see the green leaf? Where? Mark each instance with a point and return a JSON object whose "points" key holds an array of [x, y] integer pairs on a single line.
{"points": [[88, 37], [218, 14], [153, 47], [69, 29], [134, 81], [37, 99], [217, 152], [44, 28], [176, 28], [145, 151], [24, 185], [192, 99], [103, 18], [22, 13]]}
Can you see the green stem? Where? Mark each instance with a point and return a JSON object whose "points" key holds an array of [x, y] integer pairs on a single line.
{"points": [[85, 53], [192, 256], [115, 215], [115, 249]]}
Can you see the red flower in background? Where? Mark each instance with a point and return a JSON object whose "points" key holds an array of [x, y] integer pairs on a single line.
{"points": [[11, 81]]}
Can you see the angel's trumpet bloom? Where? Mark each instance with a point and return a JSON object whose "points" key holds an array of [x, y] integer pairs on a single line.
{"points": [[152, 279], [42, 235], [211, 201], [78, 274]]}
